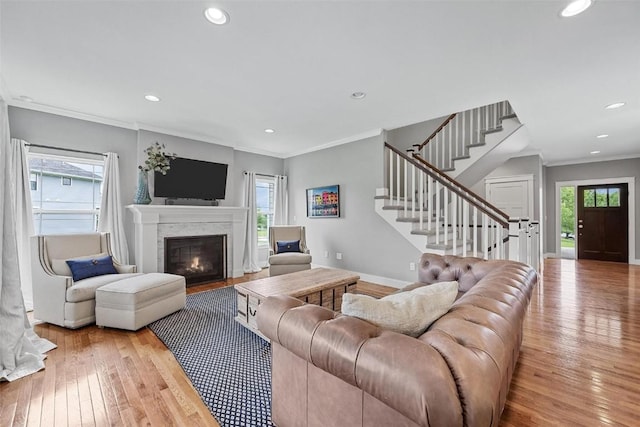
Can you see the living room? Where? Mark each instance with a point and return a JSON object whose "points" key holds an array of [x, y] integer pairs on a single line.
{"points": [[350, 154]]}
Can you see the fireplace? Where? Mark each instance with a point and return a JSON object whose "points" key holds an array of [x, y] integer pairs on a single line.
{"points": [[198, 258]]}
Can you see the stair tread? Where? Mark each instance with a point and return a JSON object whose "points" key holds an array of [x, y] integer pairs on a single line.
{"points": [[493, 130], [449, 245], [394, 206], [423, 232], [413, 219]]}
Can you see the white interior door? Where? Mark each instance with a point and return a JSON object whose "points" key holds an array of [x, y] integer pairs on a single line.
{"points": [[511, 194]]}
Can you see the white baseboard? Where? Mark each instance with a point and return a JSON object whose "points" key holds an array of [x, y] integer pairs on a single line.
{"points": [[550, 255], [378, 280], [635, 262]]}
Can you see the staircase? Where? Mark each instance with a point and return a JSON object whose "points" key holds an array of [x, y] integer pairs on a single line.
{"points": [[438, 213]]}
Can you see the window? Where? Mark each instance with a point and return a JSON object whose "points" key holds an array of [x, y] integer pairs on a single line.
{"points": [[264, 203], [58, 206], [607, 197]]}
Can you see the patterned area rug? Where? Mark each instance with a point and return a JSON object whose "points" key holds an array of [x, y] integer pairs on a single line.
{"points": [[229, 366]]}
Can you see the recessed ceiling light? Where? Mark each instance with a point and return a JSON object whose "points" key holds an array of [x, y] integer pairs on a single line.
{"points": [[575, 7], [216, 16], [269, 130], [604, 135], [152, 98], [615, 105], [26, 98], [358, 95], [595, 152]]}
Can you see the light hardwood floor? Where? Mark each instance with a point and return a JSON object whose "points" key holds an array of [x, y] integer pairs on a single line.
{"points": [[579, 363]]}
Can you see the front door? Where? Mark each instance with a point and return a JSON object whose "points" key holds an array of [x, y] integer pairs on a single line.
{"points": [[603, 222]]}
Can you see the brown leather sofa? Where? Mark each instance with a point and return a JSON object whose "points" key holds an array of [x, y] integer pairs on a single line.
{"points": [[334, 370]]}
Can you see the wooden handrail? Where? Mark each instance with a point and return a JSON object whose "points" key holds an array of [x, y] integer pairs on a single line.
{"points": [[465, 189], [451, 184], [433, 135]]}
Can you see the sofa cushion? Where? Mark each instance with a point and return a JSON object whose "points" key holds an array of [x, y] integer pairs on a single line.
{"points": [[61, 268], [288, 246], [84, 290], [290, 258], [83, 268], [408, 313]]}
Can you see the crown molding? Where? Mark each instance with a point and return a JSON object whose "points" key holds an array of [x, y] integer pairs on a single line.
{"points": [[260, 152], [347, 140], [592, 159], [35, 106], [182, 134]]}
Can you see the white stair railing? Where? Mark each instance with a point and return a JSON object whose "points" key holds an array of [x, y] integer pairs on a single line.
{"points": [[454, 219], [460, 131]]}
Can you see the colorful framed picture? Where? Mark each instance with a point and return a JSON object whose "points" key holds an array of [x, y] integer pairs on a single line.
{"points": [[323, 202]]}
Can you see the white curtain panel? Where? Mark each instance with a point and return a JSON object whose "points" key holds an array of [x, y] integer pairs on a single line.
{"points": [[250, 260], [21, 350], [111, 215], [19, 172], [281, 201]]}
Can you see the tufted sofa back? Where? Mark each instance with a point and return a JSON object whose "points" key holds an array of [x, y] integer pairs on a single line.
{"points": [[466, 271]]}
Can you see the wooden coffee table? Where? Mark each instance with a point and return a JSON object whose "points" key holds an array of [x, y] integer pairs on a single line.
{"points": [[320, 286]]}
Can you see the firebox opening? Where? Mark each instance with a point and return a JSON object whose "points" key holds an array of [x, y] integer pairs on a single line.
{"points": [[199, 259]]}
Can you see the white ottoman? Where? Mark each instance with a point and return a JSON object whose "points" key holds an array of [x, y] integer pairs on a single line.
{"points": [[135, 302]]}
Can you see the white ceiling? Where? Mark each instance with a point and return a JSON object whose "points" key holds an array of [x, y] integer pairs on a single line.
{"points": [[291, 66]]}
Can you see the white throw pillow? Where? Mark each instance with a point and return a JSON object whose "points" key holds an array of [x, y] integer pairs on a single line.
{"points": [[408, 313], [61, 268]]}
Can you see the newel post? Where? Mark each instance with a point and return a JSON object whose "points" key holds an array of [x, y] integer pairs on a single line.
{"points": [[514, 238], [535, 244], [524, 240]]}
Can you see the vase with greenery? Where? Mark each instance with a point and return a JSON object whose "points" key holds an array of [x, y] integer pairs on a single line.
{"points": [[157, 160]]}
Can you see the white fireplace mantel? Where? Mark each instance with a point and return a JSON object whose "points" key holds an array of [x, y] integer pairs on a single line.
{"points": [[155, 222]]}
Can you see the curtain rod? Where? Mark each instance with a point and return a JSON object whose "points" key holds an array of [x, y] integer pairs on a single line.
{"points": [[65, 149], [265, 174]]}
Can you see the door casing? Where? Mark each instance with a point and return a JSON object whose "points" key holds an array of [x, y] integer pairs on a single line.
{"points": [[630, 181]]}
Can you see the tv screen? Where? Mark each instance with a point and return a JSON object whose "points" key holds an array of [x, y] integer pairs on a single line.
{"points": [[192, 179]]}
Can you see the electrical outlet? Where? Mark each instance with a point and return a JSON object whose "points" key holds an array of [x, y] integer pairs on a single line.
{"points": [[326, 254], [294, 219], [338, 255], [412, 266]]}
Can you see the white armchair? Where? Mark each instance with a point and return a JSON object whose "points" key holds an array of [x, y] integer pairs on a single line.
{"points": [[287, 261], [57, 298]]}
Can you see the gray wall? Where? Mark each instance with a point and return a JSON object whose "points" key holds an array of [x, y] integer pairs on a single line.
{"points": [[368, 244], [406, 136], [586, 171]]}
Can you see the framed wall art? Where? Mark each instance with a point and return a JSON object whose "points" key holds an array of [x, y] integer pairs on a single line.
{"points": [[323, 202]]}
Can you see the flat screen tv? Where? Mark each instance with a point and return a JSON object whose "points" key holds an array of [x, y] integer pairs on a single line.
{"points": [[192, 179]]}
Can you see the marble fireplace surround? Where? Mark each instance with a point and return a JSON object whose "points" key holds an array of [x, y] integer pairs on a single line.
{"points": [[153, 223]]}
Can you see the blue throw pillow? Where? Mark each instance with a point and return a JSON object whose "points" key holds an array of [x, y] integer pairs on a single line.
{"points": [[83, 268], [288, 246]]}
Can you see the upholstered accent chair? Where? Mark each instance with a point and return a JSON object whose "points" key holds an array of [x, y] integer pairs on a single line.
{"points": [[288, 250], [57, 298]]}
